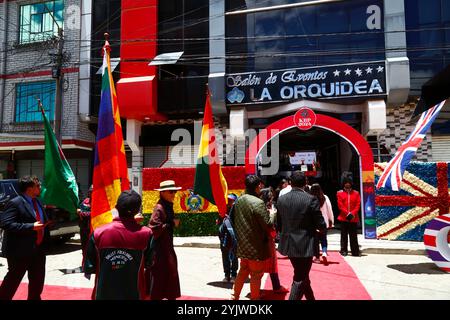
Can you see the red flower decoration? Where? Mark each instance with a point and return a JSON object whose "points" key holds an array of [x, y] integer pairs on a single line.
{"points": [[184, 177]]}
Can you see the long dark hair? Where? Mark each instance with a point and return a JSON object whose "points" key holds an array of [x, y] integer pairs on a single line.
{"points": [[316, 190]]}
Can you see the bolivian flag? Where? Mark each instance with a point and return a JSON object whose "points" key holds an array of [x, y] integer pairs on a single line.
{"points": [[209, 180], [110, 164]]}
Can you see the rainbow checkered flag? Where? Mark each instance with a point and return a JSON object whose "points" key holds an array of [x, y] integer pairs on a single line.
{"points": [[110, 164]]}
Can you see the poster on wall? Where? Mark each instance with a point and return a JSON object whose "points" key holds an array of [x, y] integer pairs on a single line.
{"points": [[302, 158]]}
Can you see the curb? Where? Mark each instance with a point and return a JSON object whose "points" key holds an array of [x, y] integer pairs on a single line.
{"points": [[198, 245], [404, 251], [419, 252]]}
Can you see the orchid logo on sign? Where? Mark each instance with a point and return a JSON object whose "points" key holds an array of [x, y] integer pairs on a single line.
{"points": [[305, 118], [235, 95]]}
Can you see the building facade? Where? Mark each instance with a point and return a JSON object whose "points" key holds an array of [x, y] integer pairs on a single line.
{"points": [[34, 58], [359, 63]]}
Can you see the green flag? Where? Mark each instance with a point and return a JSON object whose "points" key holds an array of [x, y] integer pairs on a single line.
{"points": [[59, 187]]}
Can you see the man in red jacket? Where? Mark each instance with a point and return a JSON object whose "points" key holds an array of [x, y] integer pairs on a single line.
{"points": [[349, 203]]}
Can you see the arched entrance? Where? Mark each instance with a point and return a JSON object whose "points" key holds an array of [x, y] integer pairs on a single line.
{"points": [[353, 137]]}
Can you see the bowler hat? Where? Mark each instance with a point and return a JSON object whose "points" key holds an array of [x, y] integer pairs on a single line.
{"points": [[167, 185]]}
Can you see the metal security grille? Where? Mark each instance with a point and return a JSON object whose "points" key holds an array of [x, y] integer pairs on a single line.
{"points": [[441, 148]]}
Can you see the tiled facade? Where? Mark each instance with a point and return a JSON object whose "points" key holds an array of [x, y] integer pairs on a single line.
{"points": [[399, 127]]}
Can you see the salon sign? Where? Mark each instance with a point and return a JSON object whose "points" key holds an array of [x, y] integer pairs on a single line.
{"points": [[324, 82]]}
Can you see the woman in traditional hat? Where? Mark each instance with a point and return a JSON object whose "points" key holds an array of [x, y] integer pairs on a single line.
{"points": [[164, 280]]}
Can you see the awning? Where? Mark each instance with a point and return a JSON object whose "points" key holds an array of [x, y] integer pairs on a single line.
{"points": [[138, 98], [434, 91], [166, 58]]}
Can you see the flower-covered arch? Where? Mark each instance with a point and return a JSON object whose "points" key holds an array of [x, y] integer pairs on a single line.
{"points": [[345, 131]]}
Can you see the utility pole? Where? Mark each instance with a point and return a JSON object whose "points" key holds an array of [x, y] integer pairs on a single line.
{"points": [[59, 76]]}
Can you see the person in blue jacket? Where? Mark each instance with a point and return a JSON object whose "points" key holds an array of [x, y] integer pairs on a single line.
{"points": [[228, 242]]}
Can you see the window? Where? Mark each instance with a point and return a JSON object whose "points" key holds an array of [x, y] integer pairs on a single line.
{"points": [[183, 26], [27, 109], [106, 16], [40, 21], [427, 38], [322, 34]]}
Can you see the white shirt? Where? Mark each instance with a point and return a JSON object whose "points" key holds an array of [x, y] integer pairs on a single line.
{"points": [[285, 190]]}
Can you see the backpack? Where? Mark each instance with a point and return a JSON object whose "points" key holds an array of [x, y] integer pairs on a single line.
{"points": [[226, 232]]}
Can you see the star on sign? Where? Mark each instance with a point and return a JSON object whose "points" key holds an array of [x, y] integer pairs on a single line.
{"points": [[380, 69], [358, 72], [369, 70], [336, 73], [347, 71]]}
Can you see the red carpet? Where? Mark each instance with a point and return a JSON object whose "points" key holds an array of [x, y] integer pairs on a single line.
{"points": [[67, 293], [55, 293], [335, 281]]}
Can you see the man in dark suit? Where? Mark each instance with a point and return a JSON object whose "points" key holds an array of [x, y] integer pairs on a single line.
{"points": [[24, 221], [298, 219]]}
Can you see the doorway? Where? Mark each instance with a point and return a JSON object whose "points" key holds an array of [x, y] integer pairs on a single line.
{"points": [[327, 135]]}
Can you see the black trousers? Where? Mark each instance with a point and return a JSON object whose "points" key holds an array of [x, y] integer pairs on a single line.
{"points": [[349, 229], [85, 230], [302, 267], [35, 265]]}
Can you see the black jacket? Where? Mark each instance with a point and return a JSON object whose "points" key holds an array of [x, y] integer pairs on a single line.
{"points": [[298, 218], [19, 239]]}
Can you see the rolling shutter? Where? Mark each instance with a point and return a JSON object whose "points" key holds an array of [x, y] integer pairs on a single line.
{"points": [[441, 148]]}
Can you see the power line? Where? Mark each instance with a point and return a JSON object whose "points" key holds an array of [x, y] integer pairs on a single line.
{"points": [[303, 53], [174, 41]]}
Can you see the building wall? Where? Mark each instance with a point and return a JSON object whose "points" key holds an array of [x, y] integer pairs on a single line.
{"points": [[398, 130], [24, 60]]}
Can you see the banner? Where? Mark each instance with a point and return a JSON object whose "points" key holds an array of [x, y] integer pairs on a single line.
{"points": [[366, 79]]}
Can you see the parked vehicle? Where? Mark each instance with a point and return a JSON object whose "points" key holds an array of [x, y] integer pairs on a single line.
{"points": [[62, 228]]}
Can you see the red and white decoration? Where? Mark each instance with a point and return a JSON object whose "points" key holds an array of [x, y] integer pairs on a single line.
{"points": [[436, 241]]}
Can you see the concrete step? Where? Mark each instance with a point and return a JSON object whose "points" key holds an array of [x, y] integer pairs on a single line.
{"points": [[373, 246]]}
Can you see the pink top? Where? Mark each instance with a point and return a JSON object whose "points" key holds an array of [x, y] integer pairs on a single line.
{"points": [[327, 212]]}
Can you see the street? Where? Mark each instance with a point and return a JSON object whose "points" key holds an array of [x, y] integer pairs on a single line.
{"points": [[384, 276]]}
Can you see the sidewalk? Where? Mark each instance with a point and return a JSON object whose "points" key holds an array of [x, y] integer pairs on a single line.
{"points": [[367, 245]]}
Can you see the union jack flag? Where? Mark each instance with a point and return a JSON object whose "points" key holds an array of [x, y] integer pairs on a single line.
{"points": [[424, 195], [393, 172]]}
